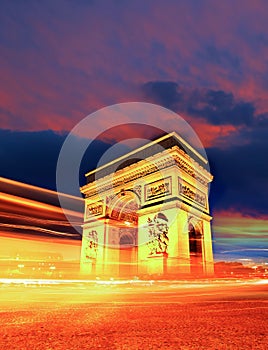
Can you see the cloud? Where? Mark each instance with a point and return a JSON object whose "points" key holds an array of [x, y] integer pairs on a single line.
{"points": [[220, 108], [164, 93], [61, 62], [107, 52], [240, 177], [235, 150], [216, 107]]}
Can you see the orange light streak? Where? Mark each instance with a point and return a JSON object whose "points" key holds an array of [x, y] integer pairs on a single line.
{"points": [[39, 189], [39, 220], [38, 229], [37, 205]]}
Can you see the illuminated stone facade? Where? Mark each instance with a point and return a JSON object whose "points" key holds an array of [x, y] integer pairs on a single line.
{"points": [[147, 213]]}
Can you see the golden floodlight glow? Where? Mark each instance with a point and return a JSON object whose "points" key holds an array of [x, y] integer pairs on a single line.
{"points": [[34, 204], [147, 213], [35, 188]]}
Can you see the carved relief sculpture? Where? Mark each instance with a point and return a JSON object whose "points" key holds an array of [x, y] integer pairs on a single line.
{"points": [[91, 245], [158, 234], [158, 189], [95, 209]]}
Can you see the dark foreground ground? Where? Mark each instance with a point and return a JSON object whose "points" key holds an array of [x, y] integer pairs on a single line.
{"points": [[218, 315]]}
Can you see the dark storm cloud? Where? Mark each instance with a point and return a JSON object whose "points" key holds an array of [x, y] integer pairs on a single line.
{"points": [[240, 177], [239, 165], [164, 93], [217, 107], [240, 169]]}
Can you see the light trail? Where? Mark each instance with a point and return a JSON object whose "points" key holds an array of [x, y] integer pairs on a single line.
{"points": [[135, 282], [38, 229], [39, 220], [35, 234], [36, 205], [38, 189]]}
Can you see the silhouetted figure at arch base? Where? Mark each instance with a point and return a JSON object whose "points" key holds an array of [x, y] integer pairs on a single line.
{"points": [[147, 214]]}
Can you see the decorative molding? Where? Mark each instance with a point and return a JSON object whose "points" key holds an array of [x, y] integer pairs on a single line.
{"points": [[137, 190], [192, 193], [94, 209], [159, 188], [157, 165]]}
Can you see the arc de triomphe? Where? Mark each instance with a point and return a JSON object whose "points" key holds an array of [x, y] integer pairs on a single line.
{"points": [[147, 213]]}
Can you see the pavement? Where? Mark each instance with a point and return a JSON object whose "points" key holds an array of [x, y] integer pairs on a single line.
{"points": [[66, 315]]}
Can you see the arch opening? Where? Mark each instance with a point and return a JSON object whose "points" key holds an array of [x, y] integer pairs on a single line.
{"points": [[123, 229], [195, 249], [124, 208], [126, 240]]}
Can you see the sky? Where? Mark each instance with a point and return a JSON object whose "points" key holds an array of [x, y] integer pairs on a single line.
{"points": [[205, 60]]}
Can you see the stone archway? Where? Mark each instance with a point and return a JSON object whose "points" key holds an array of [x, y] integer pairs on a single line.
{"points": [[141, 205], [127, 253], [123, 208], [122, 232]]}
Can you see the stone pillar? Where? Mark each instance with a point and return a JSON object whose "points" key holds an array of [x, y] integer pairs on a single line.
{"points": [[142, 240], [92, 258], [208, 253], [111, 250], [183, 242]]}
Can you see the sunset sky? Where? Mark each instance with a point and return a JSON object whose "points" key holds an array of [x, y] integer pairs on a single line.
{"points": [[205, 60]]}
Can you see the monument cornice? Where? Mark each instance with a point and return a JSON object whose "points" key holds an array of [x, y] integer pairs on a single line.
{"points": [[168, 159]]}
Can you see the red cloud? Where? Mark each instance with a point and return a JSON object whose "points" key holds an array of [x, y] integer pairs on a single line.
{"points": [[75, 62]]}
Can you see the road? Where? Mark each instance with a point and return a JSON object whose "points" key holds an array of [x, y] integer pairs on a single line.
{"points": [[134, 315]]}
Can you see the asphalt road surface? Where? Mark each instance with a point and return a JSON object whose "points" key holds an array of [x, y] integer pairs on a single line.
{"points": [[134, 315]]}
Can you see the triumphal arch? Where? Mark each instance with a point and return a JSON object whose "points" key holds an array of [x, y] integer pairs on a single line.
{"points": [[147, 213]]}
